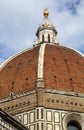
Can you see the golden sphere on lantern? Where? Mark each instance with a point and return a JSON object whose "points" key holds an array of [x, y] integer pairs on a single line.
{"points": [[46, 13]]}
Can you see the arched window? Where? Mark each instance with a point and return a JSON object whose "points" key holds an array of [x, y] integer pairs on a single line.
{"points": [[42, 38], [73, 125], [49, 38]]}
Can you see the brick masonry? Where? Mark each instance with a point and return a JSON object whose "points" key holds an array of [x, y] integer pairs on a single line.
{"points": [[63, 70]]}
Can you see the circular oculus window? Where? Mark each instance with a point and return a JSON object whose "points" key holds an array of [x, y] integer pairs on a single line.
{"points": [[73, 125], [73, 121]]}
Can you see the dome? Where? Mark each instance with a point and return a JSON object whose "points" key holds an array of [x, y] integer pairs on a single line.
{"points": [[43, 86], [47, 64], [60, 68]]}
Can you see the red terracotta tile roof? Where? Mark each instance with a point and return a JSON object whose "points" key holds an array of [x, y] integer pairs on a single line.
{"points": [[19, 75], [63, 70]]}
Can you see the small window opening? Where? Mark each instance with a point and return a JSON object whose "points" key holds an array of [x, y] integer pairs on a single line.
{"points": [[42, 113], [73, 125], [49, 38], [37, 113], [42, 38], [42, 126], [37, 126], [11, 95]]}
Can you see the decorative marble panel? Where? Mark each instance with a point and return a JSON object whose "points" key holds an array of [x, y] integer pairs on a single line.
{"points": [[25, 119], [32, 127], [32, 117], [56, 116], [49, 127], [57, 127], [20, 117], [63, 114], [49, 116]]}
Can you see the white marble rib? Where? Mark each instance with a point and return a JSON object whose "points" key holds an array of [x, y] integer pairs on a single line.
{"points": [[41, 61]]}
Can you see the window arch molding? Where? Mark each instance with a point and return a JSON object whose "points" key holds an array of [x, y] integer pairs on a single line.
{"points": [[72, 118]]}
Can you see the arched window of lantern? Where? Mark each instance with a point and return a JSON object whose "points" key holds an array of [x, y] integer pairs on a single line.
{"points": [[42, 38], [49, 38]]}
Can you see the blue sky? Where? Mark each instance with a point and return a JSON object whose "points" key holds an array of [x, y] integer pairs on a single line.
{"points": [[19, 20]]}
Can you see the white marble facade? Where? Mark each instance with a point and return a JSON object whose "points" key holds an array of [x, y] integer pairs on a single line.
{"points": [[43, 119]]}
